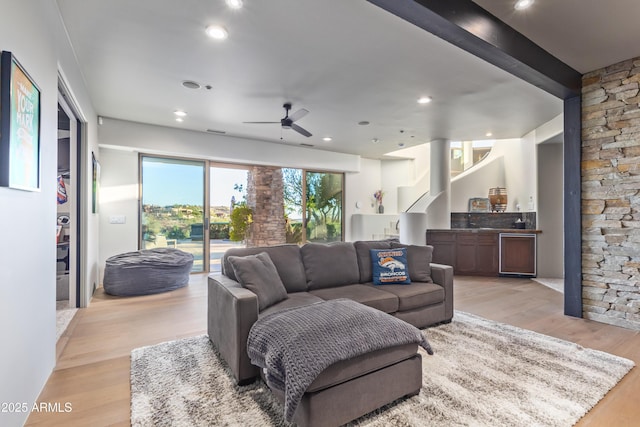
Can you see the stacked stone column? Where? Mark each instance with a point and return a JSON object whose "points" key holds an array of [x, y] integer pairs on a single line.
{"points": [[611, 194], [266, 197]]}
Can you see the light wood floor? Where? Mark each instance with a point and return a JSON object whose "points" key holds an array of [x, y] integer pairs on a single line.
{"points": [[92, 372]]}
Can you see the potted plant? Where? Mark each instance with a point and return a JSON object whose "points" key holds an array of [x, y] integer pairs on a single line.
{"points": [[378, 196]]}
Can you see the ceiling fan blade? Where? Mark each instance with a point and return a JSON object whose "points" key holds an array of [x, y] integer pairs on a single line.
{"points": [[298, 114], [300, 130], [260, 122]]}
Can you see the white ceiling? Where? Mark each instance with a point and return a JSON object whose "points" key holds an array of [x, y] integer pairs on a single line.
{"points": [[585, 34], [344, 61]]}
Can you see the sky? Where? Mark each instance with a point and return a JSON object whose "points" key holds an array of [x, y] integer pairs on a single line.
{"points": [[166, 183]]}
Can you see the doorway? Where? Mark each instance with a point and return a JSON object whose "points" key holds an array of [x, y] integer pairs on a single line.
{"points": [[227, 191], [67, 202], [313, 202], [172, 211], [551, 212], [67, 218], [186, 204]]}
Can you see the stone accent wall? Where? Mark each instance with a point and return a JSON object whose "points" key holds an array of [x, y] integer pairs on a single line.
{"points": [[265, 196], [611, 194]]}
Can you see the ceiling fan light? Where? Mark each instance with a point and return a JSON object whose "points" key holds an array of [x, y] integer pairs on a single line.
{"points": [[523, 4], [234, 4], [217, 32]]}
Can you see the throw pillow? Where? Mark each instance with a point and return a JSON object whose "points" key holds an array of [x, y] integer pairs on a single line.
{"points": [[419, 261], [258, 274], [363, 249], [390, 266], [327, 265]]}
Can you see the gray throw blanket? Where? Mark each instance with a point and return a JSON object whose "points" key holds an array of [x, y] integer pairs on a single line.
{"points": [[295, 345]]}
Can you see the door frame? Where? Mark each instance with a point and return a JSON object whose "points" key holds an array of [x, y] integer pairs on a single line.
{"points": [[205, 209], [304, 201], [77, 239], [206, 215]]}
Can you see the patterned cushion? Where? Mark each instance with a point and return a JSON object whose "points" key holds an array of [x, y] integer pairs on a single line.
{"points": [[363, 249], [390, 266]]}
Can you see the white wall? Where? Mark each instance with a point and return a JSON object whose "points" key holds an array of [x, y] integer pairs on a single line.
{"points": [[550, 211], [121, 141], [359, 188], [511, 164], [33, 32], [417, 175], [394, 174], [475, 182], [119, 196], [153, 139]]}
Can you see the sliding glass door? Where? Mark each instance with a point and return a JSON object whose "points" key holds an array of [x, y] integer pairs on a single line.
{"points": [[227, 190], [173, 200], [313, 205], [188, 204], [323, 206]]}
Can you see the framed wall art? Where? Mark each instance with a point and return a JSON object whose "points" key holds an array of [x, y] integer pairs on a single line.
{"points": [[19, 126], [479, 204]]}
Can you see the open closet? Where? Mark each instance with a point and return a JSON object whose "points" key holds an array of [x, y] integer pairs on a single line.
{"points": [[65, 221]]}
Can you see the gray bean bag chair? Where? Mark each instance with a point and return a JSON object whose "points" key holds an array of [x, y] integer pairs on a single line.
{"points": [[149, 271]]}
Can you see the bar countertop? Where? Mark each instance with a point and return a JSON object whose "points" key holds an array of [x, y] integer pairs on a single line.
{"points": [[485, 230]]}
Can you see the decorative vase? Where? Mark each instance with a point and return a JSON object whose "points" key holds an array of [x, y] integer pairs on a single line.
{"points": [[381, 209]]}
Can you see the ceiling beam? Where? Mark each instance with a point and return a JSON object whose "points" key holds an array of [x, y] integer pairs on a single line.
{"points": [[465, 24]]}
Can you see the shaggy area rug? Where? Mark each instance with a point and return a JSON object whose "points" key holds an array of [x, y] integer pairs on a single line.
{"points": [[483, 373]]}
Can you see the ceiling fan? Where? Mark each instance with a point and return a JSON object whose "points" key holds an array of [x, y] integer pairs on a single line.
{"points": [[288, 121]]}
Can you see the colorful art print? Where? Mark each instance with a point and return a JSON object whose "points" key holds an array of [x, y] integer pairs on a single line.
{"points": [[479, 204], [19, 126]]}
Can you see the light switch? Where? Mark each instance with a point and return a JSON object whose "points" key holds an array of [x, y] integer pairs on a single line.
{"points": [[117, 219]]}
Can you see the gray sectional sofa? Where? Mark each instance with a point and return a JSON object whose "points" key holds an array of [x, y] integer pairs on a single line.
{"points": [[317, 272]]}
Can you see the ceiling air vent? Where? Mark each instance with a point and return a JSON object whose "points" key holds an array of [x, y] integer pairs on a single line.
{"points": [[190, 84], [306, 145], [219, 132]]}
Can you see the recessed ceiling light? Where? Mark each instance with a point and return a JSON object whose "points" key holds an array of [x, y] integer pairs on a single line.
{"points": [[217, 32], [375, 140], [489, 134], [400, 144], [234, 4], [180, 119], [363, 123], [523, 4], [424, 100], [326, 139], [180, 113]]}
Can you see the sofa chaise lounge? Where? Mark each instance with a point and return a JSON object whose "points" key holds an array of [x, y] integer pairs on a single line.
{"points": [[320, 272]]}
